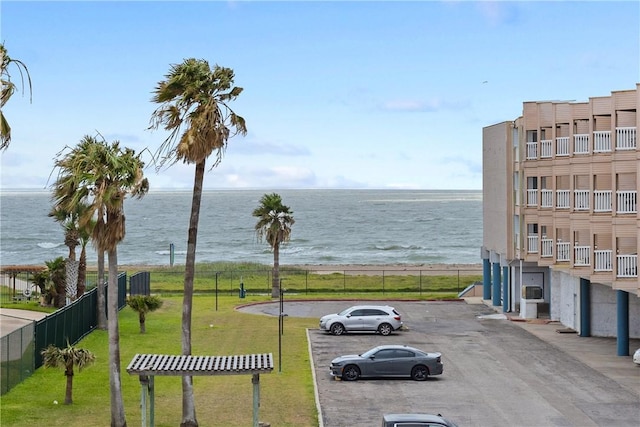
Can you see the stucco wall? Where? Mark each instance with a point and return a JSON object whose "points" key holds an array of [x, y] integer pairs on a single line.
{"points": [[564, 301], [604, 321], [495, 187]]}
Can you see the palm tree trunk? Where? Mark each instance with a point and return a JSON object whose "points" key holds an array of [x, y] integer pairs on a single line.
{"points": [[188, 403], [275, 283], [115, 384], [68, 397], [142, 319], [101, 309], [82, 272]]}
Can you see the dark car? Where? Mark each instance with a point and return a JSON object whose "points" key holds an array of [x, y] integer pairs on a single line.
{"points": [[416, 420], [388, 361]]}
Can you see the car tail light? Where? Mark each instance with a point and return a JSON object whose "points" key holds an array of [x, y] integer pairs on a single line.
{"points": [[397, 317]]}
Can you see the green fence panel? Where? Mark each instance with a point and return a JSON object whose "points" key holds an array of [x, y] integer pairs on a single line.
{"points": [[18, 362]]}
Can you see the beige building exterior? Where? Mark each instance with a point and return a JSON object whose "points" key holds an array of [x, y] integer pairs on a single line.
{"points": [[560, 205]]}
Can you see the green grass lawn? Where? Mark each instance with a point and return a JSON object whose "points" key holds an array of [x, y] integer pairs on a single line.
{"points": [[287, 397], [256, 278]]}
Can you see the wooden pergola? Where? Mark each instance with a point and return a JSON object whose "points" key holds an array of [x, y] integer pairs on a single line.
{"points": [[13, 271], [146, 366]]}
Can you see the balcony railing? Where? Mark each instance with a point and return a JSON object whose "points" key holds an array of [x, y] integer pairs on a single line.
{"points": [[581, 144], [546, 247], [602, 201], [603, 260], [602, 141], [563, 250], [547, 198], [582, 256], [562, 146], [532, 150], [546, 149], [626, 138], [532, 197], [626, 202], [581, 200], [562, 199], [532, 244], [627, 266]]}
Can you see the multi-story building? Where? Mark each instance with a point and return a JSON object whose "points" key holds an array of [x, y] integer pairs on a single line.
{"points": [[561, 222]]}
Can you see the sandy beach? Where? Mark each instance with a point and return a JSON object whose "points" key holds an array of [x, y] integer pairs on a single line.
{"points": [[397, 269]]}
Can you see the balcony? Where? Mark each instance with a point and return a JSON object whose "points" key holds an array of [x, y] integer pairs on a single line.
{"points": [[582, 256], [546, 149], [603, 260], [581, 200], [563, 250], [602, 201], [532, 244], [626, 202], [626, 138], [602, 141], [562, 199], [627, 265], [532, 150], [532, 197], [562, 146], [546, 248], [547, 198], [581, 144]]}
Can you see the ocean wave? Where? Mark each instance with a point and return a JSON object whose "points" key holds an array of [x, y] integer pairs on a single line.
{"points": [[398, 248], [49, 245]]}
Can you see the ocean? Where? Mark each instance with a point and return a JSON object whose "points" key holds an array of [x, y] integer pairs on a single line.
{"points": [[368, 227]]}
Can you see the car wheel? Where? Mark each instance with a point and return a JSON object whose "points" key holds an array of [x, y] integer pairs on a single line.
{"points": [[337, 329], [385, 329], [419, 373], [350, 373]]}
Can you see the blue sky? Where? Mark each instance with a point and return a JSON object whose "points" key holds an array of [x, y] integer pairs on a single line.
{"points": [[336, 94]]}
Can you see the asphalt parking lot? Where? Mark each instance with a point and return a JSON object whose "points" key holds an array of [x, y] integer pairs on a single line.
{"points": [[495, 373]]}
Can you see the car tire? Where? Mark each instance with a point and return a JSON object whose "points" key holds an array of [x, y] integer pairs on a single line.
{"points": [[350, 373], [337, 329], [385, 329], [419, 373]]}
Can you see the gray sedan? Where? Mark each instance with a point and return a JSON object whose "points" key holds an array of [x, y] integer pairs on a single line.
{"points": [[387, 361]]}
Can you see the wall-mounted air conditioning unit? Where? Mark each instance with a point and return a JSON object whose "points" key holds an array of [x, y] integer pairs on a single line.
{"points": [[532, 292]]}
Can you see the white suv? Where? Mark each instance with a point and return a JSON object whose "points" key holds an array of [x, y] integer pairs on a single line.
{"points": [[377, 318]]}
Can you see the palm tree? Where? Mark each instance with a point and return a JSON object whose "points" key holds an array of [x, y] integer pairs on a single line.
{"points": [[144, 304], [85, 238], [58, 275], [65, 193], [7, 90], [67, 358], [274, 226], [102, 175], [74, 235], [68, 221], [193, 108], [42, 280]]}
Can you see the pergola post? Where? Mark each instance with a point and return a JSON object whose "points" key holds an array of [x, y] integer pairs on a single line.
{"points": [[144, 389], [255, 380], [152, 399]]}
